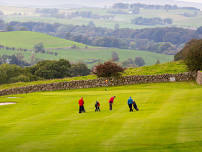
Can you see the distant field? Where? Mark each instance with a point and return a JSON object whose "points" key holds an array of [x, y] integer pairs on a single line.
{"points": [[27, 40], [90, 55], [11, 10], [100, 54], [124, 20], [169, 120], [171, 68]]}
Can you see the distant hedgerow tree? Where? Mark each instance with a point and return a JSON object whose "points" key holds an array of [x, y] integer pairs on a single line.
{"points": [[157, 62], [48, 69], [139, 61], [115, 56], [79, 69], [129, 63], [116, 26], [39, 48], [192, 55], [108, 69], [10, 73], [14, 59], [91, 24]]}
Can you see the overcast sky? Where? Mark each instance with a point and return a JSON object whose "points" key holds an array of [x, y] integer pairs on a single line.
{"points": [[198, 1], [68, 1], [88, 2]]}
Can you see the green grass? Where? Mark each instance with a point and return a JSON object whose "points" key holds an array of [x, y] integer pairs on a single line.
{"points": [[169, 120], [27, 40], [169, 68]]}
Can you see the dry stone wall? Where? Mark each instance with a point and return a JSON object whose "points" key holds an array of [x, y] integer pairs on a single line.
{"points": [[101, 82], [199, 78]]}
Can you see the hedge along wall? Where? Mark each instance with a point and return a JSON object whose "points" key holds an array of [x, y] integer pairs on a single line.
{"points": [[101, 82], [199, 78]]}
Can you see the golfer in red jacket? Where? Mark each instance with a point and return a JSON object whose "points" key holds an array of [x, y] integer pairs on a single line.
{"points": [[81, 105], [111, 100]]}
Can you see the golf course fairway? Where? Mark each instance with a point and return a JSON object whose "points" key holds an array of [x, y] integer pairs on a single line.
{"points": [[169, 120]]}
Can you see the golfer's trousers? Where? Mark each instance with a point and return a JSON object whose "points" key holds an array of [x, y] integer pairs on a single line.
{"points": [[81, 109], [131, 107], [110, 106]]}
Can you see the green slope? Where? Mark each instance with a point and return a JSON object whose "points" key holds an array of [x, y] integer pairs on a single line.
{"points": [[27, 40], [165, 68], [87, 55], [169, 120]]}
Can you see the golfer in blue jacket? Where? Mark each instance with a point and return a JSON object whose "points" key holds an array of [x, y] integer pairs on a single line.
{"points": [[130, 104]]}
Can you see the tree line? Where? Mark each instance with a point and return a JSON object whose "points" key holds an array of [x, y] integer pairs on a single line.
{"points": [[166, 40], [151, 21], [47, 69], [150, 6], [53, 12]]}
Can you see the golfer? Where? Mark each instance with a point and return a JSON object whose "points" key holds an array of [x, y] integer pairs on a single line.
{"points": [[81, 105], [111, 100], [130, 104], [97, 106]]}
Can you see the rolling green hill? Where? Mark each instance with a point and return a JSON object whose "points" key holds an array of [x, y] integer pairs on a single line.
{"points": [[90, 55], [27, 40], [169, 120]]}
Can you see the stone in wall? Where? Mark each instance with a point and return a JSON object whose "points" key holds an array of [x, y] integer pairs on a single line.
{"points": [[199, 77]]}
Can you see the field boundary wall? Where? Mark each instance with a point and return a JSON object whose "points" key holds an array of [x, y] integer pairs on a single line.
{"points": [[101, 82]]}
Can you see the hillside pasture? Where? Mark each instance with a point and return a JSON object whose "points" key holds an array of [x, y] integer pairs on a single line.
{"points": [[92, 56], [27, 40], [169, 120]]}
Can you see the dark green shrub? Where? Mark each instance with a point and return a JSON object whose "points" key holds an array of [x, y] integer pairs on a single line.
{"points": [[108, 69], [52, 69], [20, 78], [139, 61], [79, 69], [39, 48], [10, 73]]}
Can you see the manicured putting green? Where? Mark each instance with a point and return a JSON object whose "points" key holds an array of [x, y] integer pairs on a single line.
{"points": [[169, 120]]}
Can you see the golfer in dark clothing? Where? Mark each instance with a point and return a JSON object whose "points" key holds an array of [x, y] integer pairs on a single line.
{"points": [[97, 106], [135, 106], [111, 100], [81, 105], [130, 104]]}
